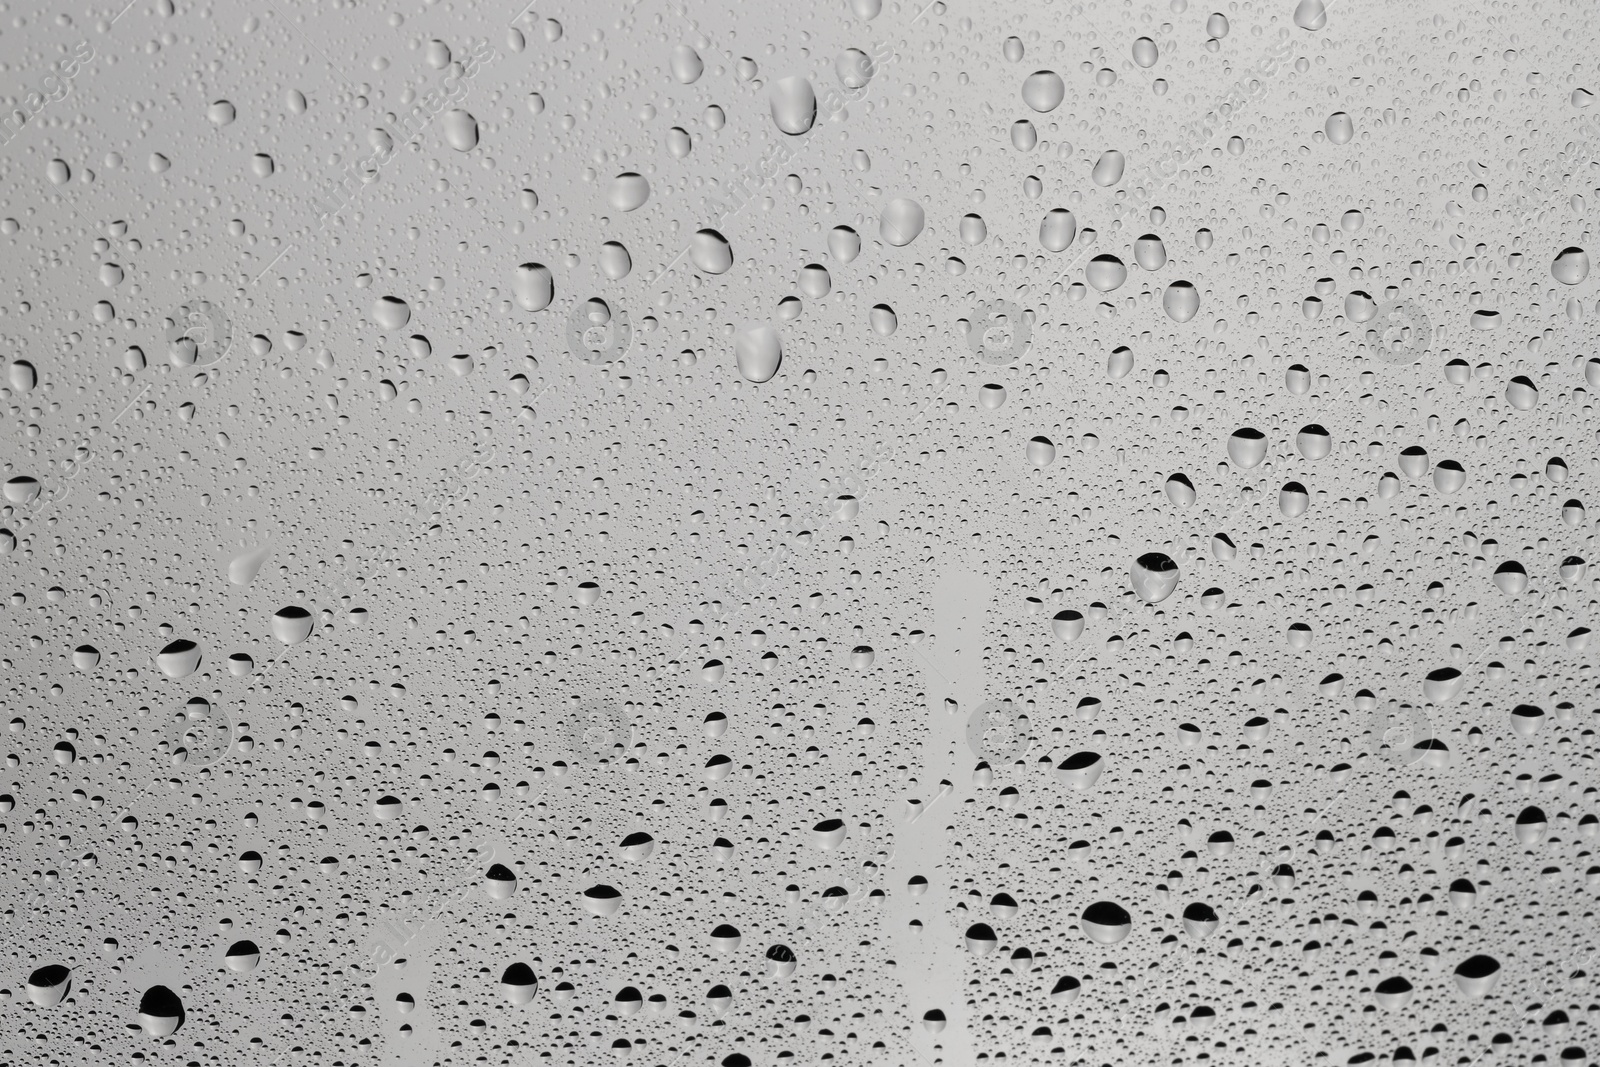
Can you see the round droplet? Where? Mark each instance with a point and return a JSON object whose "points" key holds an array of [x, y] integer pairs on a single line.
{"points": [[179, 659], [1149, 252], [687, 66], [757, 350], [49, 985], [794, 105], [828, 834], [160, 1012], [1043, 90], [1477, 975], [883, 320], [1339, 128], [1521, 393], [980, 939], [1293, 500], [220, 113], [1181, 301], [390, 313], [1314, 442], [499, 882], [1081, 770], [1310, 14], [1449, 476], [1441, 686], [854, 68], [710, 252], [1571, 266], [1200, 920], [291, 625], [1145, 52], [1392, 994], [533, 287], [1106, 923], [1108, 168], [1106, 273], [1041, 452], [844, 244], [1067, 625], [814, 281], [1058, 229], [1247, 448], [242, 957], [901, 222], [1511, 578], [518, 984], [628, 191], [603, 901], [615, 263], [1153, 576], [460, 129]]}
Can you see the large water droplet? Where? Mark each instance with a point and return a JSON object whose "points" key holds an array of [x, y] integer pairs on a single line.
{"points": [[794, 105], [901, 222]]}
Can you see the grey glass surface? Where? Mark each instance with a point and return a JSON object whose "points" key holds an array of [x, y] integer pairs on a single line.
{"points": [[697, 532]]}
